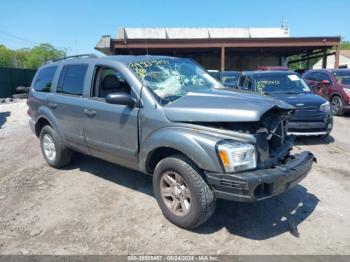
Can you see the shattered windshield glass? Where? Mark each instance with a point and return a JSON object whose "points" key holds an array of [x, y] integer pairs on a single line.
{"points": [[172, 78]]}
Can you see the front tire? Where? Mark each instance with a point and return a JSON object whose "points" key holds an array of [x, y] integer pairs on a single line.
{"points": [[337, 106], [184, 197], [55, 154]]}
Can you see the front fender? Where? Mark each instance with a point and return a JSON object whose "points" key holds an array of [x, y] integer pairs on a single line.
{"points": [[199, 147]]}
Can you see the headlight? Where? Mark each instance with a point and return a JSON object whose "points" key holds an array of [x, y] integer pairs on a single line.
{"points": [[347, 91], [325, 107], [236, 156]]}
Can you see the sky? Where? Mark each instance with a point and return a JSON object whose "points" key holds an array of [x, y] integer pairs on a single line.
{"points": [[77, 25]]}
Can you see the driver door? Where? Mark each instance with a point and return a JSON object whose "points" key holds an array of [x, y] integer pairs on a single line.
{"points": [[111, 131]]}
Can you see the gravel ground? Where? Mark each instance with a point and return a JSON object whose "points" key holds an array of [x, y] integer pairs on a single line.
{"points": [[94, 207]]}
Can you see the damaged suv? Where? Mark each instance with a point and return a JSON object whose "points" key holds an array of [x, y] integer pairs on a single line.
{"points": [[169, 118]]}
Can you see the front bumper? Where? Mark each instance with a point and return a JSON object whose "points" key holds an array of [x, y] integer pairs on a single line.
{"points": [[260, 184], [308, 128]]}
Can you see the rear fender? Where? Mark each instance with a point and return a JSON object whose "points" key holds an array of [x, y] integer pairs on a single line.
{"points": [[44, 112]]}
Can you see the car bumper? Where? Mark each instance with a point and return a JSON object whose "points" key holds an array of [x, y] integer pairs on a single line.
{"points": [[299, 128], [260, 184], [32, 125]]}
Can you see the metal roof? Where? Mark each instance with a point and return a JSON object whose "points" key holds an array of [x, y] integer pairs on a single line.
{"points": [[200, 33]]}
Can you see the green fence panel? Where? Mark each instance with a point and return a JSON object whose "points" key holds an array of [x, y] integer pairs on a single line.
{"points": [[11, 78]]}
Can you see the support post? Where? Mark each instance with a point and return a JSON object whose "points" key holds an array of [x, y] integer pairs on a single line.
{"points": [[222, 68], [324, 58], [308, 60], [336, 62]]}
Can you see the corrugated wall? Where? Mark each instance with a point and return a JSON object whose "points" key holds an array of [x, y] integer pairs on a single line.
{"points": [[11, 78]]}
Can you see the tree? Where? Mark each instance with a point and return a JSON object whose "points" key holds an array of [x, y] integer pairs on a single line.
{"points": [[28, 58], [345, 45], [5, 56], [38, 55]]}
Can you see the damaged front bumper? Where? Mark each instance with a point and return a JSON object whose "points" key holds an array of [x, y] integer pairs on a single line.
{"points": [[260, 184]]}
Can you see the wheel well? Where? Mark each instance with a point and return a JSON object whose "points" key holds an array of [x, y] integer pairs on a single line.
{"points": [[334, 96], [40, 124], [157, 155]]}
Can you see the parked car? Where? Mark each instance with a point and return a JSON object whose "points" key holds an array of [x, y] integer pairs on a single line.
{"points": [[167, 117], [332, 84], [312, 117], [273, 68], [227, 78], [214, 73]]}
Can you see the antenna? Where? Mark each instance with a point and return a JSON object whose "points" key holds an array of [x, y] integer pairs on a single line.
{"points": [[75, 43]]}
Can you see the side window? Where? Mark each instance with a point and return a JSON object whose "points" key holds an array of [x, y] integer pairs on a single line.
{"points": [[108, 80], [241, 81], [324, 76], [313, 76], [43, 81], [247, 84], [72, 79]]}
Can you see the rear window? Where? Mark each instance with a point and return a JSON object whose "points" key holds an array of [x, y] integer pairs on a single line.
{"points": [[43, 81], [72, 79]]}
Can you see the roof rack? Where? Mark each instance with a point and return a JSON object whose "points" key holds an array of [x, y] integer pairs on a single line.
{"points": [[72, 57]]}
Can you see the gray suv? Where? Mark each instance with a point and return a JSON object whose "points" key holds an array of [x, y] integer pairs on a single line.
{"points": [[167, 117]]}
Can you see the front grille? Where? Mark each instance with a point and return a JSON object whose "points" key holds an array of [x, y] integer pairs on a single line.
{"points": [[308, 108]]}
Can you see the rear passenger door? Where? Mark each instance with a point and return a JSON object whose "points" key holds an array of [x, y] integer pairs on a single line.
{"points": [[67, 104]]}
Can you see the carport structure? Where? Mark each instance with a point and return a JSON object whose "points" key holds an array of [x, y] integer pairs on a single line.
{"points": [[223, 48]]}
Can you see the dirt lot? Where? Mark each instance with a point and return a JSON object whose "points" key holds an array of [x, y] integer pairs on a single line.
{"points": [[94, 207]]}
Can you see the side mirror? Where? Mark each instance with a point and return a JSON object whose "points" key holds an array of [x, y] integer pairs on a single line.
{"points": [[121, 99]]}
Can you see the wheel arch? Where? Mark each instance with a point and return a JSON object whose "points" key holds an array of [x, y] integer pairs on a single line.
{"points": [[166, 142], [45, 116], [40, 123], [336, 94]]}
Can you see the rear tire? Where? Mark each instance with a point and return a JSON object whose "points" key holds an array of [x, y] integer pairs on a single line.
{"points": [[54, 152], [184, 197], [337, 106]]}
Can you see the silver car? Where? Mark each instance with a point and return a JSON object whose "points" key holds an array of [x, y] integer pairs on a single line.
{"points": [[167, 117]]}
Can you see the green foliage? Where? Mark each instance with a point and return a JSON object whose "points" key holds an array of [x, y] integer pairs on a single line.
{"points": [[303, 64], [345, 45], [28, 58], [5, 56]]}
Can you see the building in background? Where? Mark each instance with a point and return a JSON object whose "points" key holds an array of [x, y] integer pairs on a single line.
{"points": [[223, 48], [344, 60]]}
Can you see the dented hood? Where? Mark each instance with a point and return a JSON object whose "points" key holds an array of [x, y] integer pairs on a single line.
{"points": [[221, 106]]}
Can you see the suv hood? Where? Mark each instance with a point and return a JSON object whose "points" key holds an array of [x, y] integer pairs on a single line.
{"points": [[301, 99], [221, 106]]}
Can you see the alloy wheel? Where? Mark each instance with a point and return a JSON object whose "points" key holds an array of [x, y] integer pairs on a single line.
{"points": [[175, 193], [49, 147], [336, 104]]}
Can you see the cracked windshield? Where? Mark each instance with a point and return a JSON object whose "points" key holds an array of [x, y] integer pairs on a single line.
{"points": [[170, 79]]}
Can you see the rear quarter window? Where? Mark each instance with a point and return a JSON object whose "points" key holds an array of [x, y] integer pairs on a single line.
{"points": [[43, 81], [72, 79]]}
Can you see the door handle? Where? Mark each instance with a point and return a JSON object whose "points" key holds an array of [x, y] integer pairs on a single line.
{"points": [[52, 105], [89, 112]]}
